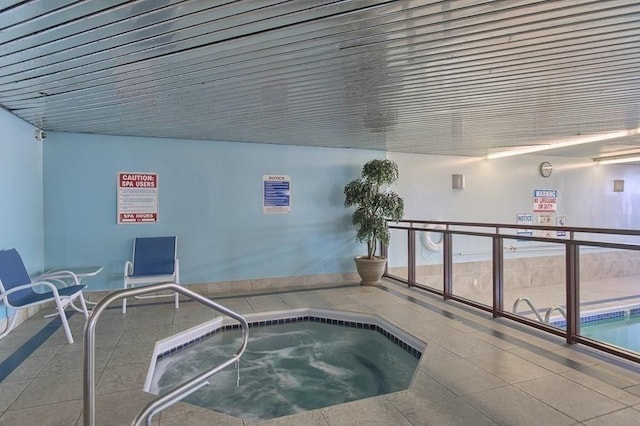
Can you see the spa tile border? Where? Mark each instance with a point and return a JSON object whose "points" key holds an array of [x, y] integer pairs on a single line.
{"points": [[303, 318]]}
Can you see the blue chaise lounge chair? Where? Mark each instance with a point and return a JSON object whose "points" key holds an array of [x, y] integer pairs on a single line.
{"points": [[17, 291]]}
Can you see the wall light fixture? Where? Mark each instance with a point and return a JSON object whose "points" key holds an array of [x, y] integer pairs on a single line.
{"points": [[617, 159]]}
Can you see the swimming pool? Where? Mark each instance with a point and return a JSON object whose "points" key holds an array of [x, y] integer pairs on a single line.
{"points": [[622, 331], [619, 325], [296, 361]]}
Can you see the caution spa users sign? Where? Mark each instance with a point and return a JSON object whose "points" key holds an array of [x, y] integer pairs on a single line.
{"points": [[137, 197]]}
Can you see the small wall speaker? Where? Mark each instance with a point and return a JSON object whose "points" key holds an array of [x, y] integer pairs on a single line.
{"points": [[618, 185], [457, 181]]}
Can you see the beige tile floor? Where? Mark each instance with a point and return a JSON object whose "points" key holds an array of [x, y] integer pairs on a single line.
{"points": [[475, 371]]}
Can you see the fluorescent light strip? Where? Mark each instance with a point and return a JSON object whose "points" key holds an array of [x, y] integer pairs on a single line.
{"points": [[562, 144], [617, 160]]}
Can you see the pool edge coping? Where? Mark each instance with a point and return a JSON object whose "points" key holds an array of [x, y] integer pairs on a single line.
{"points": [[208, 328]]}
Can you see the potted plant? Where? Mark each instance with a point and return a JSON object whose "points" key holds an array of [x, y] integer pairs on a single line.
{"points": [[375, 204]]}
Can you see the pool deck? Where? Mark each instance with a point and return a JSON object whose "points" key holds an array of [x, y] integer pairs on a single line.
{"points": [[475, 371]]}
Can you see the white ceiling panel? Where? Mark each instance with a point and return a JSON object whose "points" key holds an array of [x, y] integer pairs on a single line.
{"points": [[433, 77]]}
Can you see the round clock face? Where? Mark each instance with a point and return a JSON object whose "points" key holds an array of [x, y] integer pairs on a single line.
{"points": [[546, 169]]}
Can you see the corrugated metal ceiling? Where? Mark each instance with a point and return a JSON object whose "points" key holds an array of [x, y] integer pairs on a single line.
{"points": [[438, 77]]}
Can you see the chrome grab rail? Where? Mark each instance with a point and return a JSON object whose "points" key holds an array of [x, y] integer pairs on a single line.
{"points": [[176, 394], [547, 315], [560, 309], [528, 302]]}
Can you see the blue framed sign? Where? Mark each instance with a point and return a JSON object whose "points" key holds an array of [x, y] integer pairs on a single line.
{"points": [[276, 194]]}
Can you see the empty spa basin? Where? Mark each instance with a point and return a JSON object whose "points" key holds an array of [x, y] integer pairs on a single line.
{"points": [[293, 365]]}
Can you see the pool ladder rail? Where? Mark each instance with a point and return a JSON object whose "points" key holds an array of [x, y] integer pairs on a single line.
{"points": [[547, 315], [179, 392]]}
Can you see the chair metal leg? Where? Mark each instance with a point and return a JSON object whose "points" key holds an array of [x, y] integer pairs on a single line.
{"points": [[65, 323], [176, 297], [84, 307]]}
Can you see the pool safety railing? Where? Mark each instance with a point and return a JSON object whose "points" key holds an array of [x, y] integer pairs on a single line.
{"points": [[512, 249], [179, 392], [571, 241], [547, 315], [529, 303]]}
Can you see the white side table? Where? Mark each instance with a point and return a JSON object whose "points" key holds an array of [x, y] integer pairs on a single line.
{"points": [[65, 275]]}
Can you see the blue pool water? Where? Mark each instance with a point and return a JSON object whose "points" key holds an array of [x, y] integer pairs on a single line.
{"points": [[623, 332], [290, 368]]}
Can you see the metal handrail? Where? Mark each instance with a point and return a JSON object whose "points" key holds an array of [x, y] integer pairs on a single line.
{"points": [[573, 243], [547, 315], [528, 302], [500, 226], [497, 229], [176, 394], [560, 309]]}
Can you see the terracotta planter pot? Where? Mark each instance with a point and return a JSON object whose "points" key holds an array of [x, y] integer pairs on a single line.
{"points": [[370, 270]]}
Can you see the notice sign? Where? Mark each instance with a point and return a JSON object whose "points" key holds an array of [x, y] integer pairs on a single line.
{"points": [[524, 219], [137, 197], [276, 194], [545, 200]]}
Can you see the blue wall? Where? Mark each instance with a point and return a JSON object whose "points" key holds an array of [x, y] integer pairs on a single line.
{"points": [[210, 196], [21, 215]]}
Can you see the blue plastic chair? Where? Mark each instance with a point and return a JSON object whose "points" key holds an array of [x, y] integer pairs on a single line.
{"points": [[17, 291], [155, 261]]}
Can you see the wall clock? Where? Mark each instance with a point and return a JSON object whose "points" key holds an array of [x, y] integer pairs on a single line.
{"points": [[545, 169]]}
